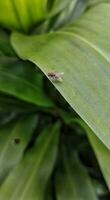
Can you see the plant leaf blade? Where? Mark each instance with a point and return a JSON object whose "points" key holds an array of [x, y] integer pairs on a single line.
{"points": [[84, 61], [35, 169], [102, 154], [72, 180], [13, 141]]}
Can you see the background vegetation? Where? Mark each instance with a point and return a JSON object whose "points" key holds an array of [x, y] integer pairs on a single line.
{"points": [[54, 136]]}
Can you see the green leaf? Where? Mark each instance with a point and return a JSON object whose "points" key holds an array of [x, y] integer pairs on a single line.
{"points": [[14, 138], [59, 6], [29, 179], [72, 180], [102, 154], [12, 104], [21, 80], [48, 193], [71, 12], [5, 46], [48, 197], [6, 117], [101, 151], [24, 14], [93, 2], [17, 77], [82, 52]]}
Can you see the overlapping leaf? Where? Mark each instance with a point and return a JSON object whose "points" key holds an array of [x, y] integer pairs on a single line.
{"points": [[14, 138], [24, 14], [72, 180], [6, 117], [102, 154], [20, 79], [12, 104], [5, 47], [29, 178], [101, 151], [21, 14], [72, 11], [82, 52]]}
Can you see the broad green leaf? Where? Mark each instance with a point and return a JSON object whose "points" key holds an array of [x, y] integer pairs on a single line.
{"points": [[29, 179], [14, 138], [72, 180], [21, 80], [24, 14], [82, 52], [102, 154]]}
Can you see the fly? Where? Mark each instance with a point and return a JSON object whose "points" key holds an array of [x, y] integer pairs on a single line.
{"points": [[56, 76]]}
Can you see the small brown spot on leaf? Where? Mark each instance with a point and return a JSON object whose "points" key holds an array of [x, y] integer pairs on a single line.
{"points": [[16, 140]]}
